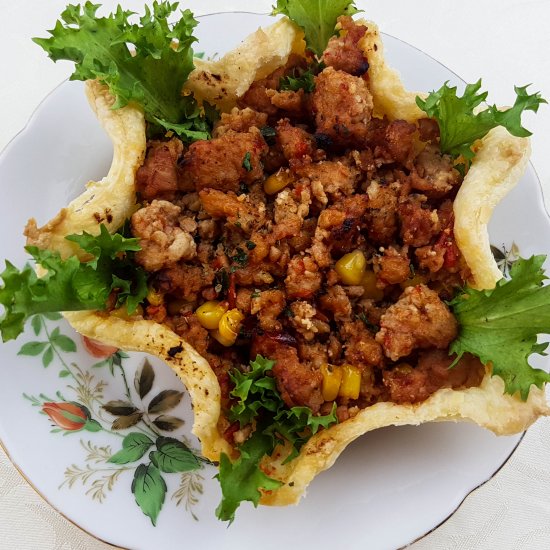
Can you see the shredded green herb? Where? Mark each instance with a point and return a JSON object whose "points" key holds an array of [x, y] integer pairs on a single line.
{"points": [[259, 401]]}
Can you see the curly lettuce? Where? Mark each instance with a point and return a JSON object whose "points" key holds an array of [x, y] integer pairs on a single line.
{"points": [[146, 63], [500, 326], [317, 18], [70, 284], [461, 124]]}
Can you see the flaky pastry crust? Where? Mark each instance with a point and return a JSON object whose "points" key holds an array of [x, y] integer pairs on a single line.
{"points": [[498, 166], [111, 200]]}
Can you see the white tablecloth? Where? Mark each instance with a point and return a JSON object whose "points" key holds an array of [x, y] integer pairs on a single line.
{"points": [[506, 42]]}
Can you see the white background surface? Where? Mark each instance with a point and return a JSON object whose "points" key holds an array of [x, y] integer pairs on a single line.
{"points": [[506, 42]]}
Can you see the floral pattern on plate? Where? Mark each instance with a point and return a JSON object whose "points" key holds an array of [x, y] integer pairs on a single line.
{"points": [[138, 422], [416, 474]]}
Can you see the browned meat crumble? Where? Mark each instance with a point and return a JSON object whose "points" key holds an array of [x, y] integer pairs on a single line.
{"points": [[347, 182]]}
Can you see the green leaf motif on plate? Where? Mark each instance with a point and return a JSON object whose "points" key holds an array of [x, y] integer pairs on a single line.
{"points": [[149, 489], [173, 456], [55, 343], [144, 453], [47, 358], [134, 446], [63, 342], [32, 348], [36, 324], [52, 315]]}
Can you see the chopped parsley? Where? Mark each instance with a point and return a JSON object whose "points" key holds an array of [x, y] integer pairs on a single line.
{"points": [[304, 81], [246, 162], [269, 134], [240, 257], [362, 316], [222, 282]]}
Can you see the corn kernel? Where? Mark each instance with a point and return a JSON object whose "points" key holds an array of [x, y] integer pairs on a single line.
{"points": [[369, 284], [223, 341], [351, 382], [413, 281], [210, 313], [351, 267], [276, 182], [122, 312], [228, 328], [332, 377], [154, 297]]}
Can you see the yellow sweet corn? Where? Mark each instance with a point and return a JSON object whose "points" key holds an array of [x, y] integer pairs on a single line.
{"points": [[368, 282], [154, 297], [332, 377], [210, 314], [228, 328], [351, 267], [351, 382], [122, 312], [276, 182]]}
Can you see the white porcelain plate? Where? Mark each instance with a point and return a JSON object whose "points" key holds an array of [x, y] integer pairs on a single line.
{"points": [[66, 411]]}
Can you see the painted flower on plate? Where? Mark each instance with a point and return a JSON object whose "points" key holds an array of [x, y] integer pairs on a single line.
{"points": [[70, 417], [98, 349]]}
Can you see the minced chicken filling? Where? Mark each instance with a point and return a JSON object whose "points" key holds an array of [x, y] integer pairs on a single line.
{"points": [[314, 234]]}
